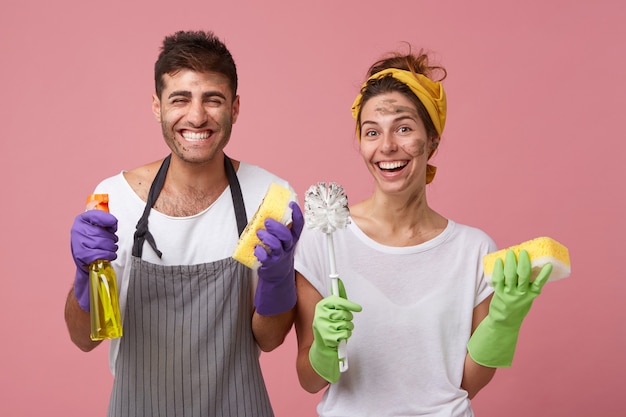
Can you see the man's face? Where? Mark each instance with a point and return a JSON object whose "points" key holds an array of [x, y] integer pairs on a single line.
{"points": [[196, 111]]}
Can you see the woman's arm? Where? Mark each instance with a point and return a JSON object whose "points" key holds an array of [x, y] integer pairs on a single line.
{"points": [[475, 376], [308, 297]]}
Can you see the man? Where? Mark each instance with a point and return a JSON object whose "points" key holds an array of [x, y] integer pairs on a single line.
{"points": [[191, 329]]}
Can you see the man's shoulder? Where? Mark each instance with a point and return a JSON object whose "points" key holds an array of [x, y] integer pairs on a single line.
{"points": [[256, 174], [140, 178], [255, 181], [143, 173]]}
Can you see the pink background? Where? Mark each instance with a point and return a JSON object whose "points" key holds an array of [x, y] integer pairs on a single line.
{"points": [[534, 146]]}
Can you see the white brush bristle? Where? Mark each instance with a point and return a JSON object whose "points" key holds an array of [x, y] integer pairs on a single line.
{"points": [[326, 207]]}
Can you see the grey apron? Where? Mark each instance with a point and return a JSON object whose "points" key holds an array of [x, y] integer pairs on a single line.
{"points": [[188, 348]]}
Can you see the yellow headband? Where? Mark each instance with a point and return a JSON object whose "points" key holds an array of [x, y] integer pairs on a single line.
{"points": [[429, 92]]}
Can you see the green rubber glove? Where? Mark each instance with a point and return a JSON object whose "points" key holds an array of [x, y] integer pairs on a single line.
{"points": [[332, 323], [494, 340]]}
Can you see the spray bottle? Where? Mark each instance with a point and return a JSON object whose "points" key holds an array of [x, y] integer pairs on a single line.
{"points": [[104, 309]]}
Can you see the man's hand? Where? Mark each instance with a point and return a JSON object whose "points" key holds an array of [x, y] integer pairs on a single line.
{"points": [[276, 290], [92, 237]]}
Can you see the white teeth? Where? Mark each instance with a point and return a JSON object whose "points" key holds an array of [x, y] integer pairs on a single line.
{"points": [[194, 136], [391, 165]]}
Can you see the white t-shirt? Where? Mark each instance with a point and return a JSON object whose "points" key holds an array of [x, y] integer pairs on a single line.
{"points": [[205, 237], [407, 351]]}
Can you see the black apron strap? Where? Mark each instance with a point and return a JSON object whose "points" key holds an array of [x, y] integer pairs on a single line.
{"points": [[142, 233], [235, 192]]}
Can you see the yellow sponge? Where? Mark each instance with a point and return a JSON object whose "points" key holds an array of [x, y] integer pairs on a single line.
{"points": [[275, 205], [541, 250]]}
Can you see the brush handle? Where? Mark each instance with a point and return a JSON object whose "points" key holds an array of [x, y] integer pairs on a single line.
{"points": [[342, 354], [342, 350]]}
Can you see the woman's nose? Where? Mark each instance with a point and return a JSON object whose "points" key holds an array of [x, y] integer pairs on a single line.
{"points": [[388, 143]]}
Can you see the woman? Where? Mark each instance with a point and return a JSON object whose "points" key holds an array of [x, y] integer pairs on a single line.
{"points": [[414, 278]]}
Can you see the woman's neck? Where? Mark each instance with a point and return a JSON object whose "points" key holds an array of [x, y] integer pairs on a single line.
{"points": [[398, 221]]}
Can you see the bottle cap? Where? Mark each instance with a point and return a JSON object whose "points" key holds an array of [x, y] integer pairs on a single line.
{"points": [[98, 202]]}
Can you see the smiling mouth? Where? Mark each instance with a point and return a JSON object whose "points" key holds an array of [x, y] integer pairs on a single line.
{"points": [[391, 165], [196, 136]]}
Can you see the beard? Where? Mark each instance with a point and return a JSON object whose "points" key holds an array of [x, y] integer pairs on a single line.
{"points": [[202, 151]]}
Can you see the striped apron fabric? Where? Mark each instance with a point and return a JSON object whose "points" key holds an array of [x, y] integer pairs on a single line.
{"points": [[188, 348]]}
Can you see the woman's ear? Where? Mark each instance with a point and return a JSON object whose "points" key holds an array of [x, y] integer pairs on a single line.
{"points": [[434, 144]]}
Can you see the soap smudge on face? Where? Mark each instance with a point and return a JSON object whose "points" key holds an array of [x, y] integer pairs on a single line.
{"points": [[389, 107]]}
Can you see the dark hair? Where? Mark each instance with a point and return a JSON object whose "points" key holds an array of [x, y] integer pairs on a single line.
{"points": [[416, 63], [197, 51]]}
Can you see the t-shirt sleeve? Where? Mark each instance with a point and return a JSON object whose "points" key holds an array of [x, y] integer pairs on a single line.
{"points": [[483, 289], [311, 260]]}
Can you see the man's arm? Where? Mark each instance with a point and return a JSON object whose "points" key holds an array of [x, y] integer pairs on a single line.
{"points": [[78, 324], [270, 331], [275, 295], [92, 238]]}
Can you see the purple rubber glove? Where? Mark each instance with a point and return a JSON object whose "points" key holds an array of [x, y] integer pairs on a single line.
{"points": [[276, 290], [92, 238]]}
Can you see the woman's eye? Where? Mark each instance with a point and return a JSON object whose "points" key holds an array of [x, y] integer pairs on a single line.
{"points": [[404, 129]]}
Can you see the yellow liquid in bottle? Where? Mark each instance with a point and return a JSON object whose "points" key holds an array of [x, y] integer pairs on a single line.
{"points": [[106, 322]]}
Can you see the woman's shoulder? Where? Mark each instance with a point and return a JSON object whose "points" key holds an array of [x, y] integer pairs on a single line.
{"points": [[472, 234]]}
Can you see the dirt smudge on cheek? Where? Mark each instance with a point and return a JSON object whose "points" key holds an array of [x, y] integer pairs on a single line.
{"points": [[415, 148]]}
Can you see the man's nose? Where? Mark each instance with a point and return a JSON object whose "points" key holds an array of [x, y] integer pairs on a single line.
{"points": [[197, 114]]}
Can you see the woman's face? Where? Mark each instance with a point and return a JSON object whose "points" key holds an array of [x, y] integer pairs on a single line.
{"points": [[394, 143]]}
